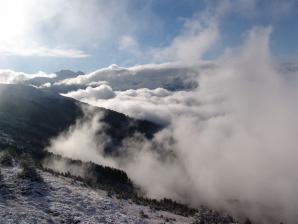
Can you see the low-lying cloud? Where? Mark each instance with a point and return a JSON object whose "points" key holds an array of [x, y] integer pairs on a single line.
{"points": [[168, 75], [81, 141], [99, 92], [11, 77], [158, 105], [230, 143]]}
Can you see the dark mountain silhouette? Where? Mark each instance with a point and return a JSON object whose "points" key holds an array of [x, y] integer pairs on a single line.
{"points": [[29, 117]]}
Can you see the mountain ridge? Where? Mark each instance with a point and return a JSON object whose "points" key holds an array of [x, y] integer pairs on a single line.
{"points": [[31, 115]]}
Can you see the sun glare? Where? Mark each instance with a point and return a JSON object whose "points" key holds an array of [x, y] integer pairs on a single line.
{"points": [[13, 21]]}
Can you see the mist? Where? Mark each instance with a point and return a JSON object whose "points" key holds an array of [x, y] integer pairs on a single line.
{"points": [[233, 146], [81, 141]]}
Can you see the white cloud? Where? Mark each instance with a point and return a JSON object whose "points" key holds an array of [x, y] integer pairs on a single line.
{"points": [[60, 28], [172, 76], [100, 92], [22, 24], [82, 135], [129, 44], [190, 46], [231, 143], [11, 77], [146, 85], [201, 32], [113, 71], [42, 52], [157, 105]]}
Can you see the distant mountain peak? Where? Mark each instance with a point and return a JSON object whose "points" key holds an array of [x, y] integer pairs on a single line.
{"points": [[114, 66], [66, 73]]}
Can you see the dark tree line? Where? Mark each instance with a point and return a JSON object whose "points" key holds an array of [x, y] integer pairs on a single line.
{"points": [[114, 181]]}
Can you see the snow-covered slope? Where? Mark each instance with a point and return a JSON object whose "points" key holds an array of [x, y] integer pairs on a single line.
{"points": [[63, 200]]}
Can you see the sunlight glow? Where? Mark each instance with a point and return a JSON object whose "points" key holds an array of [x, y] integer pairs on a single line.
{"points": [[13, 22]]}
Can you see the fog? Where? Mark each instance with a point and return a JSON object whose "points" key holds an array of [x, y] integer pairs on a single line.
{"points": [[230, 144], [81, 141]]}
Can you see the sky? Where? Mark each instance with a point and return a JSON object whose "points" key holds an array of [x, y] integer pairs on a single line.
{"points": [[43, 35]]}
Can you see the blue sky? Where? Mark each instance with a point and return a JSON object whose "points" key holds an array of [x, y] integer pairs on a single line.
{"points": [[87, 35]]}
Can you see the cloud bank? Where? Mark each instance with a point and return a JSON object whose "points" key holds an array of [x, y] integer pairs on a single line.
{"points": [[230, 144], [172, 76], [11, 77], [158, 105], [100, 92]]}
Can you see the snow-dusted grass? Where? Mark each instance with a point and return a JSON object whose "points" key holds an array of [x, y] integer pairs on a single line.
{"points": [[63, 200]]}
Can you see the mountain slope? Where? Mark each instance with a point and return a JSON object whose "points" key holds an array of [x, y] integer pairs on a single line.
{"points": [[29, 117], [64, 200]]}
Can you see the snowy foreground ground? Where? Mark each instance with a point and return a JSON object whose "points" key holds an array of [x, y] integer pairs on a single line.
{"points": [[63, 200]]}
